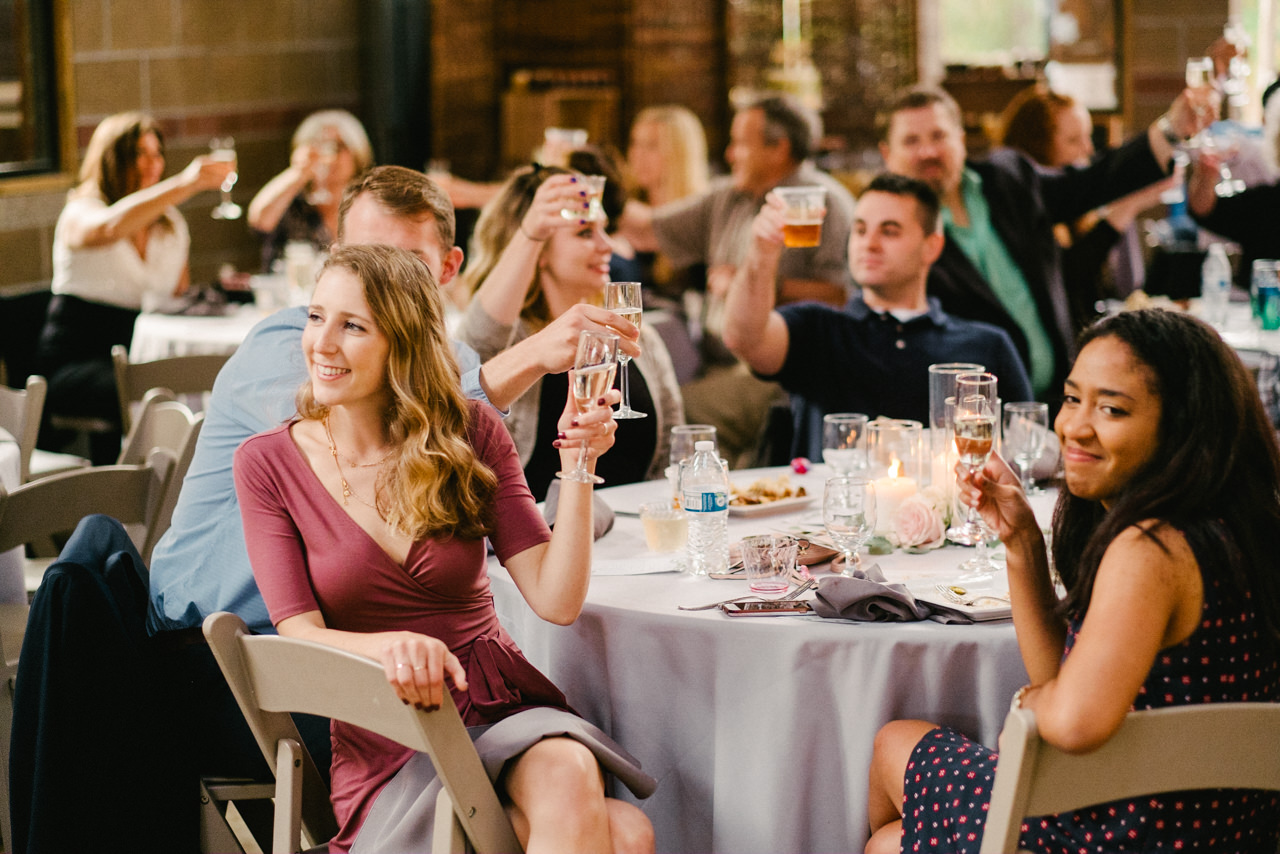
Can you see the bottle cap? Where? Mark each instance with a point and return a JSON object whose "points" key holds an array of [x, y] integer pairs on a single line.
{"points": [[704, 445]]}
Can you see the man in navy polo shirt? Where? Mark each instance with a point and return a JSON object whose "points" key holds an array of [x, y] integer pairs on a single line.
{"points": [[871, 356]]}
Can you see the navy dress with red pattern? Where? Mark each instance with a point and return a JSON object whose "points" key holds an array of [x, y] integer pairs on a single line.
{"points": [[1229, 658]]}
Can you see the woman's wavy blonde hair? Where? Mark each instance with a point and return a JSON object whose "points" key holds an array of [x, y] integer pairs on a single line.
{"points": [[497, 224], [436, 486], [684, 149]]}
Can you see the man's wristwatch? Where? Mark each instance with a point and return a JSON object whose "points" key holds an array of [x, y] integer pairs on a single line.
{"points": [[1165, 125]]}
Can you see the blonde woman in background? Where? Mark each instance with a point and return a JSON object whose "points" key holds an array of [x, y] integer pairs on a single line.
{"points": [[119, 237], [330, 148], [529, 266]]}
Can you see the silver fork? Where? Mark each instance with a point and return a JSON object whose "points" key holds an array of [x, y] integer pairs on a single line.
{"points": [[952, 594], [808, 585]]}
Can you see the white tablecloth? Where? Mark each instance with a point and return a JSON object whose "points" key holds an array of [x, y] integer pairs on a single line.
{"points": [[161, 336], [12, 588], [758, 729]]}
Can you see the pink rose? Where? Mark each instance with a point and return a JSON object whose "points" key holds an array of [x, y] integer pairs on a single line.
{"points": [[916, 524]]}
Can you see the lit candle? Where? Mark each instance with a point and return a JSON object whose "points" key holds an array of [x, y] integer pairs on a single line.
{"points": [[891, 491]]}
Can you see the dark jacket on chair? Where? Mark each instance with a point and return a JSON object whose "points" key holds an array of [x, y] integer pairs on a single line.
{"points": [[94, 764]]}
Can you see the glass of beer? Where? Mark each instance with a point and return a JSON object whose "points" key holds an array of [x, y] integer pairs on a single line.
{"points": [[802, 222]]}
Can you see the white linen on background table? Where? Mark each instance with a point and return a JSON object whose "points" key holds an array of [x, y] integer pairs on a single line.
{"points": [[162, 336], [12, 588], [759, 729]]}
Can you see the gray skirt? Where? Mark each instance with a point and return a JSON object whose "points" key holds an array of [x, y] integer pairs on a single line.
{"points": [[402, 816]]}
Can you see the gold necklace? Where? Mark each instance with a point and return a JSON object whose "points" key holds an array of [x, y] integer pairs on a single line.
{"points": [[347, 491]]}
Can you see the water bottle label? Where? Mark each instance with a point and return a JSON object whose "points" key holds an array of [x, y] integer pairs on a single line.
{"points": [[705, 502]]}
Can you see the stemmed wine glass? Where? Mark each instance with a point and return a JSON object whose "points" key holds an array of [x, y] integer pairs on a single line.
{"points": [[1025, 426], [849, 514], [624, 299], [593, 369], [223, 148], [843, 446], [975, 430]]}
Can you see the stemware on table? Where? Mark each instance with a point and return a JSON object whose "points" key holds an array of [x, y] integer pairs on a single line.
{"points": [[593, 368], [844, 446], [624, 299], [1026, 424], [224, 148], [975, 428], [849, 515]]}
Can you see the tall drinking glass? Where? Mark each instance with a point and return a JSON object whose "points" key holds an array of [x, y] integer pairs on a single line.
{"points": [[942, 385], [224, 148], [593, 368], [624, 299], [685, 436], [844, 446], [975, 432], [849, 515], [1025, 427]]}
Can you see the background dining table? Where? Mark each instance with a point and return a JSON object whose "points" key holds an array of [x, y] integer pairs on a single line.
{"points": [[759, 729], [161, 336]]}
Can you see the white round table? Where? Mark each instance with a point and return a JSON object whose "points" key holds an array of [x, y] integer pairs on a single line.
{"points": [[161, 336]]}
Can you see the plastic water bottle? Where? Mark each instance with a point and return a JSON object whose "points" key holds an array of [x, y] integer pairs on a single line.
{"points": [[704, 491], [1215, 284]]}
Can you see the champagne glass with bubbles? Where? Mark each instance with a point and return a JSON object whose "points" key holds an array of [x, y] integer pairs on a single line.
{"points": [[624, 299], [223, 148], [849, 515], [975, 432], [593, 368]]}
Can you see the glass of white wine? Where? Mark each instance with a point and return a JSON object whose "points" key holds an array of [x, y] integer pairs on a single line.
{"points": [[625, 300], [849, 515], [223, 148], [975, 432], [593, 369]]}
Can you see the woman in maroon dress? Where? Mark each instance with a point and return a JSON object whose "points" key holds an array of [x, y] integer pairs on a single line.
{"points": [[1166, 537], [366, 522]]}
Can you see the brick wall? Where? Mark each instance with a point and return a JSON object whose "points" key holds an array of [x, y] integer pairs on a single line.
{"points": [[201, 67]]}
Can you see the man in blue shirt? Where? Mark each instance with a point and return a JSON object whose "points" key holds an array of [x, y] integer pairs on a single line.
{"points": [[873, 355], [201, 564]]}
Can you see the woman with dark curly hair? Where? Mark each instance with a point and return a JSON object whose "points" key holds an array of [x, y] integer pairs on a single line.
{"points": [[1166, 536]]}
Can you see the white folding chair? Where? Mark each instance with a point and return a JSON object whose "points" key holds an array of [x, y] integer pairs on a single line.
{"points": [[271, 676], [181, 375], [1209, 746], [20, 413]]}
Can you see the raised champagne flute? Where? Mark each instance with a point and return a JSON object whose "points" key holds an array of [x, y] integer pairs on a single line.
{"points": [[593, 369], [624, 299], [223, 148], [975, 432], [849, 515]]}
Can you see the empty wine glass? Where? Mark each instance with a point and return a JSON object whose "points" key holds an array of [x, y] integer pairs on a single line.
{"points": [[624, 299], [1025, 428], [593, 368], [843, 447], [849, 515], [975, 430], [223, 148]]}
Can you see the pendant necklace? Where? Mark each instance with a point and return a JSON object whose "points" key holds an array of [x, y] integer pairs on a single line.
{"points": [[347, 491]]}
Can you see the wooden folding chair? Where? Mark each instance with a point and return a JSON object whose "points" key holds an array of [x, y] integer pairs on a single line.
{"points": [[20, 413], [271, 676], [1209, 746], [182, 375]]}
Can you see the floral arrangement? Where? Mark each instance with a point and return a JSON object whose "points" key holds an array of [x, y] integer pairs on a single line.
{"points": [[920, 522]]}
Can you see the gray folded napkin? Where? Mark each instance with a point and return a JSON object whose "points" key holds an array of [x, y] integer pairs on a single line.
{"points": [[867, 597], [601, 512]]}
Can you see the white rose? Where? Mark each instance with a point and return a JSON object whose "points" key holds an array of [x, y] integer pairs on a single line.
{"points": [[917, 524]]}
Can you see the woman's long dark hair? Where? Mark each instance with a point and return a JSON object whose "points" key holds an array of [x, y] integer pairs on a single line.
{"points": [[1215, 474]]}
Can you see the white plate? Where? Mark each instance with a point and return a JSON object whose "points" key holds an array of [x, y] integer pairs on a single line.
{"points": [[782, 505], [983, 609]]}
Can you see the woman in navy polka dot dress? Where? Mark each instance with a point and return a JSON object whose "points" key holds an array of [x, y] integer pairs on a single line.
{"points": [[1167, 537]]}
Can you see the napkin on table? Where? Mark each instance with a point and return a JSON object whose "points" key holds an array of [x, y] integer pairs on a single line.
{"points": [[867, 597]]}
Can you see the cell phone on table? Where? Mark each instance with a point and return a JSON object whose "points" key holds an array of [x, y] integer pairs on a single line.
{"points": [[765, 609]]}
